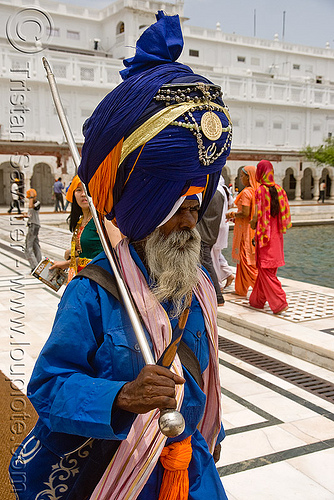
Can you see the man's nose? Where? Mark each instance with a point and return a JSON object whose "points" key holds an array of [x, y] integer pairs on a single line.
{"points": [[188, 219]]}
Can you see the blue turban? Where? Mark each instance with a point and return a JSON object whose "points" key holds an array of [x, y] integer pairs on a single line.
{"points": [[140, 155]]}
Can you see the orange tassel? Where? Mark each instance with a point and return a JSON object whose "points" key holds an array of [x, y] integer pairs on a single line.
{"points": [[102, 183], [175, 459]]}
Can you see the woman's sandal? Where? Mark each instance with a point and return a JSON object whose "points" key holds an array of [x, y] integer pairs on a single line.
{"points": [[282, 310]]}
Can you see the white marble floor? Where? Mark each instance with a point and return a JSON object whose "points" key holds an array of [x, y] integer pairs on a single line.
{"points": [[305, 330], [27, 310], [280, 438], [304, 305]]}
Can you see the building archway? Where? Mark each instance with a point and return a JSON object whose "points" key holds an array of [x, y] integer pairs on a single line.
{"points": [[327, 179], [5, 182], [42, 180], [307, 184], [289, 184], [238, 185], [120, 28], [227, 175], [8, 172]]}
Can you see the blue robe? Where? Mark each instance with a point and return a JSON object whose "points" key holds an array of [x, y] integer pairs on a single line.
{"points": [[91, 353]]}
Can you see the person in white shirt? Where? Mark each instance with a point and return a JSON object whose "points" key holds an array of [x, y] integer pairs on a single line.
{"points": [[322, 191], [223, 270], [15, 203]]}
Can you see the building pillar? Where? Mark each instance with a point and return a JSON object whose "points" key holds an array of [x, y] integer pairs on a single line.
{"points": [[298, 190], [64, 160], [331, 176], [279, 179], [232, 179], [316, 192]]}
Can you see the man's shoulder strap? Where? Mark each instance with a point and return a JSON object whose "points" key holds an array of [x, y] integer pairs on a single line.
{"points": [[108, 281], [102, 277]]}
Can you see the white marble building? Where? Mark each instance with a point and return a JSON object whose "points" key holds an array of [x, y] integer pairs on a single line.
{"points": [[281, 95]]}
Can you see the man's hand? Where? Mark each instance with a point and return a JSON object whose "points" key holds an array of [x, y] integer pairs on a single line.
{"points": [[230, 215], [253, 223], [153, 388]]}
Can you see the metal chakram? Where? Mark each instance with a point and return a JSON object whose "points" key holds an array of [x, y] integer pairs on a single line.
{"points": [[211, 126]]}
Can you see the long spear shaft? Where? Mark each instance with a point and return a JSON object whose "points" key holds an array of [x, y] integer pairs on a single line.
{"points": [[169, 419], [135, 322]]}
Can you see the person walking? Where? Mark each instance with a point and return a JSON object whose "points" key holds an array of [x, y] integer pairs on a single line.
{"points": [[32, 248], [322, 191], [15, 194], [243, 250], [223, 270], [271, 220], [208, 229], [67, 202], [58, 188], [96, 398]]}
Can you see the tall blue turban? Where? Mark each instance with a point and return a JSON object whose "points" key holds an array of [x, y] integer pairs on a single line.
{"points": [[146, 144]]}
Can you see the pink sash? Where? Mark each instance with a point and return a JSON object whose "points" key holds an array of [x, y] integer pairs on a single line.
{"points": [[137, 456]]}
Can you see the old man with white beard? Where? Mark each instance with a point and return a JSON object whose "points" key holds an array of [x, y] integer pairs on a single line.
{"points": [[154, 149]]}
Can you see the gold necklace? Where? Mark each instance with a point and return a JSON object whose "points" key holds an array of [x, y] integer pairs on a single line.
{"points": [[84, 223], [78, 232]]}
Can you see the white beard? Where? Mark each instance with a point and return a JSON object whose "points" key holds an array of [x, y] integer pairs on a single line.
{"points": [[173, 262]]}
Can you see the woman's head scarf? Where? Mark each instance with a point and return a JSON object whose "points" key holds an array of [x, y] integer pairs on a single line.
{"points": [[72, 187], [265, 176], [141, 156], [250, 170], [31, 193]]}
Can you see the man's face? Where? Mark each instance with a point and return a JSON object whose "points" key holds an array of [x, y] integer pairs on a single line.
{"points": [[186, 217], [173, 256]]}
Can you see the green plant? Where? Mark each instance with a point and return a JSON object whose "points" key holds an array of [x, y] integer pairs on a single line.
{"points": [[323, 154]]}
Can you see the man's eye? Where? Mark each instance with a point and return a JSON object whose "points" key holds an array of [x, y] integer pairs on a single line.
{"points": [[194, 209]]}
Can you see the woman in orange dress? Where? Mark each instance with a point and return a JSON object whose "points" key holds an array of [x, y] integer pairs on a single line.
{"points": [[243, 250]]}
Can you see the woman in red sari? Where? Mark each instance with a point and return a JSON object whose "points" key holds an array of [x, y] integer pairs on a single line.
{"points": [[271, 219], [242, 249]]}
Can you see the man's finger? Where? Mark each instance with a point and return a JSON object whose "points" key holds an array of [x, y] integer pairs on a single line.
{"points": [[161, 370]]}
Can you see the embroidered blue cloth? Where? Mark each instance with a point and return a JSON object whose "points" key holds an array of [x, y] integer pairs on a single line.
{"points": [[91, 353]]}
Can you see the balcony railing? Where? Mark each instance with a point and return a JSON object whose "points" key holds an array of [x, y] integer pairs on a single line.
{"points": [[83, 70]]}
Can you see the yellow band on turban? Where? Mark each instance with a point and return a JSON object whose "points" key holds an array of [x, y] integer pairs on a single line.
{"points": [[102, 183], [157, 123]]}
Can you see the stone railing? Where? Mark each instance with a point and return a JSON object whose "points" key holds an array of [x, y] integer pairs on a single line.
{"points": [[217, 34]]}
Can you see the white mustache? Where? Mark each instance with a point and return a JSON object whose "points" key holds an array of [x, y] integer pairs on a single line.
{"points": [[173, 262]]}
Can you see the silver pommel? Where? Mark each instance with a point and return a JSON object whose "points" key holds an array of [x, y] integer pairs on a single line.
{"points": [[171, 423]]}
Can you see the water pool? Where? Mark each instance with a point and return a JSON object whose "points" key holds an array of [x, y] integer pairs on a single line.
{"points": [[309, 254]]}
